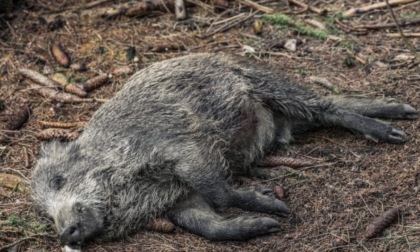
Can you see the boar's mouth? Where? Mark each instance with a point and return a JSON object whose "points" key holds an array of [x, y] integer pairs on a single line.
{"points": [[82, 227]]}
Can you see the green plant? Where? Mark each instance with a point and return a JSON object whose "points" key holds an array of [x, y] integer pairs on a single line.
{"points": [[284, 20]]}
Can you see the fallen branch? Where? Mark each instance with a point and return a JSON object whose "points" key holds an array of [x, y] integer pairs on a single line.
{"points": [[408, 35], [256, 6], [354, 11], [390, 25], [229, 25], [95, 3], [406, 42], [310, 7]]}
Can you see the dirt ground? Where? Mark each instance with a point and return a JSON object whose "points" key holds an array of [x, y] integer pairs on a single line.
{"points": [[352, 180]]}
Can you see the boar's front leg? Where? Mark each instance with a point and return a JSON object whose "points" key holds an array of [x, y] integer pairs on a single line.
{"points": [[195, 215]]}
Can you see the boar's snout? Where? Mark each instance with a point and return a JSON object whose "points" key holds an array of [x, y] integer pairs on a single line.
{"points": [[72, 236], [77, 224]]}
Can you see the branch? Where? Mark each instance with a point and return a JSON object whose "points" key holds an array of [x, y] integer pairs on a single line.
{"points": [[407, 43], [306, 6], [256, 6], [354, 11]]}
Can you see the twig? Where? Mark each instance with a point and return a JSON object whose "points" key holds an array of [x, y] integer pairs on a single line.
{"points": [[354, 11], [256, 6], [391, 25], [407, 35], [407, 43], [306, 6], [229, 26], [32, 237], [95, 3], [26, 157]]}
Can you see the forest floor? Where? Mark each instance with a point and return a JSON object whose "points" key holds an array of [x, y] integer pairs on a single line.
{"points": [[333, 202]]}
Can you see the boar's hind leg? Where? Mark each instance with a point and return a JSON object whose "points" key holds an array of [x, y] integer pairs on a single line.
{"points": [[207, 176], [378, 108], [196, 216], [373, 129]]}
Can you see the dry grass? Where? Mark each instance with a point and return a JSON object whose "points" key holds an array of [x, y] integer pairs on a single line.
{"points": [[332, 204]]}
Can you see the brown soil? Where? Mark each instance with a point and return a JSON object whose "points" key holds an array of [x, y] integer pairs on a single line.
{"points": [[332, 203]]}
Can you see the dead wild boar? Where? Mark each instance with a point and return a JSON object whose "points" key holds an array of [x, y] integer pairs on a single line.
{"points": [[168, 143]]}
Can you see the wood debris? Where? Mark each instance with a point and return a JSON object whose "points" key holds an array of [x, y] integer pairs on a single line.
{"points": [[221, 4], [256, 6], [360, 10], [308, 7]]}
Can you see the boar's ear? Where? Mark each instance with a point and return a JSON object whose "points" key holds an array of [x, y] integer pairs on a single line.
{"points": [[52, 148]]}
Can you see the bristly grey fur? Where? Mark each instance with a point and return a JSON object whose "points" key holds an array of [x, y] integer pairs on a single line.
{"points": [[169, 140]]}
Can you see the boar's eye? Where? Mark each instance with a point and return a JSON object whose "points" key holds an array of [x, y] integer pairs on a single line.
{"points": [[57, 182]]}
